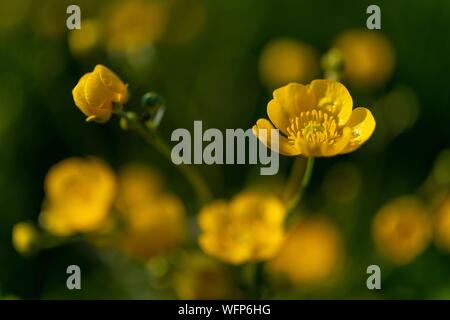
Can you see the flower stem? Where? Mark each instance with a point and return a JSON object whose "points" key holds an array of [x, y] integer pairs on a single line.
{"points": [[295, 197], [151, 137]]}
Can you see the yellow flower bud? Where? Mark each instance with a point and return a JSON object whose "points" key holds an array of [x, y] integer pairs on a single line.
{"points": [[79, 195], [96, 92], [23, 236]]}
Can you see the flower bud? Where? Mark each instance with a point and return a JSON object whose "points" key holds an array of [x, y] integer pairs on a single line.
{"points": [[154, 109], [96, 92], [152, 99]]}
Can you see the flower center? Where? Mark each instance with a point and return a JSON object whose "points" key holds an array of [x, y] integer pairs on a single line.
{"points": [[314, 127]]}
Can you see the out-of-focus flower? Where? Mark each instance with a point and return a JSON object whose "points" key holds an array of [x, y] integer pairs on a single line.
{"points": [[248, 228], [185, 21], [201, 277], [24, 235], [399, 110], [96, 91], [49, 16], [137, 183], [311, 252], [368, 57], [84, 40], [79, 194], [287, 60], [316, 120], [154, 221], [134, 24], [442, 224], [402, 229]]}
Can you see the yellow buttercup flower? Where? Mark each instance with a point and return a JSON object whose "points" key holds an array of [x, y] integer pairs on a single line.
{"points": [[442, 225], [24, 235], [154, 221], [311, 252], [248, 228], [368, 57], [287, 60], [316, 120], [79, 194], [402, 229], [196, 274], [96, 92]]}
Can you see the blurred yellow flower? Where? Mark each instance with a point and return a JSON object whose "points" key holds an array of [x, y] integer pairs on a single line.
{"points": [[134, 24], [316, 120], [186, 20], [248, 228], [79, 194], [368, 57], [201, 277], [96, 92], [311, 252], [82, 41], [442, 225], [24, 235], [137, 184], [288, 60], [154, 221], [402, 229]]}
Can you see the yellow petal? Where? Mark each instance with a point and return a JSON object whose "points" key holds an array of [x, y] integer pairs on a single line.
{"points": [[362, 124], [95, 92], [91, 118], [78, 93], [111, 81], [284, 146], [97, 113], [278, 117], [333, 97], [292, 99], [329, 150], [211, 215]]}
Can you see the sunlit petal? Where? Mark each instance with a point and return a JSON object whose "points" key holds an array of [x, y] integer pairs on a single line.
{"points": [[362, 124]]}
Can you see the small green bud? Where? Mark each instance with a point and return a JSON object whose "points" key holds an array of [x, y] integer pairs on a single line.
{"points": [[332, 63], [123, 123], [152, 99]]}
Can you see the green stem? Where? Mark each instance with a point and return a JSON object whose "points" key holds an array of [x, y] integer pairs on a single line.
{"points": [[151, 137], [258, 280], [296, 197]]}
